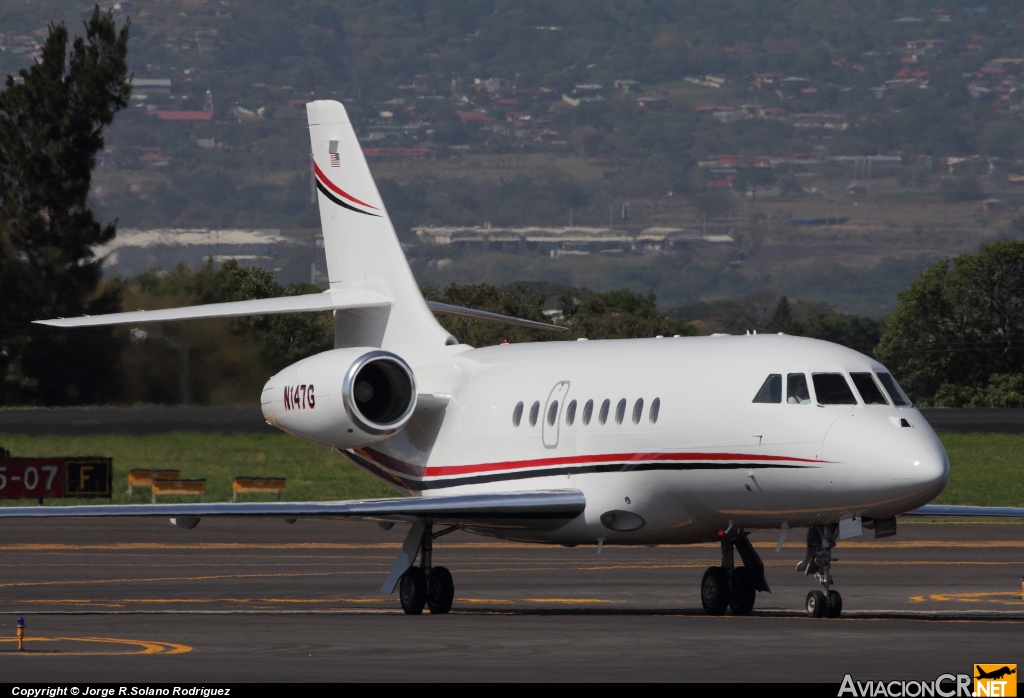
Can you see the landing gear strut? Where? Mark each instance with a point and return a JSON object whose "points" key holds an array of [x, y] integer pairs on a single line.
{"points": [[733, 587], [825, 603], [426, 585]]}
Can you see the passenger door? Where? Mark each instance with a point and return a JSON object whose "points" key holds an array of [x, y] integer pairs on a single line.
{"points": [[551, 417]]}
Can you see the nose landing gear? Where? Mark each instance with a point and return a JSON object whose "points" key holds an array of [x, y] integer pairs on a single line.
{"points": [[821, 540]]}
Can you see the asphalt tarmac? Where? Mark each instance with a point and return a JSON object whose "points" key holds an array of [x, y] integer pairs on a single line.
{"points": [[264, 601]]}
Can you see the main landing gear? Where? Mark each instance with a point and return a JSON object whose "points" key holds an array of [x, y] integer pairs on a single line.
{"points": [[818, 561], [426, 585], [733, 587]]}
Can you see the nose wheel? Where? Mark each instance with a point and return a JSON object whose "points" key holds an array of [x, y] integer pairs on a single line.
{"points": [[824, 603]]}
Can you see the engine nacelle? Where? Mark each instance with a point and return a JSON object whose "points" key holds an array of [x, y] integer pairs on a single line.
{"points": [[344, 398]]}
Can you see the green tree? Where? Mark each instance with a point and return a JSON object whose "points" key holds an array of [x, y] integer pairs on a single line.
{"points": [[51, 128], [857, 332], [518, 302], [957, 336], [782, 318], [228, 359], [619, 314]]}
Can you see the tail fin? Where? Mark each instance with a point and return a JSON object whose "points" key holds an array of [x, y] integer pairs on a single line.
{"points": [[362, 249]]}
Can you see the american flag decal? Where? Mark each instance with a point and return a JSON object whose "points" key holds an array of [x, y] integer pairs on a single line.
{"points": [[335, 160]]}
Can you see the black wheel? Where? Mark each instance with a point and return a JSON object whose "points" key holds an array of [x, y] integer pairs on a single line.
{"points": [[714, 591], [440, 590], [815, 604], [741, 592], [412, 590], [833, 604]]}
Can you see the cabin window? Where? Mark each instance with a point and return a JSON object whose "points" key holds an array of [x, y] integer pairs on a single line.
{"points": [[534, 413], [655, 408], [552, 413], [588, 412], [603, 416], [620, 411], [868, 389], [517, 414], [796, 389], [638, 410], [570, 413], [832, 389], [771, 389], [899, 398]]}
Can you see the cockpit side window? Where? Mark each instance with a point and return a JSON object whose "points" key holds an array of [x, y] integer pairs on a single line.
{"points": [[771, 389], [899, 398], [832, 389], [796, 389], [868, 389]]}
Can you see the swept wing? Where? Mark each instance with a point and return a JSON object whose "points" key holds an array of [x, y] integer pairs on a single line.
{"points": [[540, 510]]}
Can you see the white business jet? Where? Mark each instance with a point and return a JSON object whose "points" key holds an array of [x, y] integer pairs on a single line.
{"points": [[611, 442]]}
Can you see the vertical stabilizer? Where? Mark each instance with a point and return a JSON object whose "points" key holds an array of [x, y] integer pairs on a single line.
{"points": [[361, 246]]}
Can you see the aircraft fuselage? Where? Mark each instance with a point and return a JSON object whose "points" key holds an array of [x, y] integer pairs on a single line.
{"points": [[664, 436]]}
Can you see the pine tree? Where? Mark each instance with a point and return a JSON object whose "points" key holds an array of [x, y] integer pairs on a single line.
{"points": [[51, 129]]}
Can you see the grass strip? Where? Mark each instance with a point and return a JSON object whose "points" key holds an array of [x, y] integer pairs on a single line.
{"points": [[986, 468]]}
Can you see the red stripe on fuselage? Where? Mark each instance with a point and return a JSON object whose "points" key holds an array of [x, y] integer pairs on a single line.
{"points": [[338, 190], [540, 463]]}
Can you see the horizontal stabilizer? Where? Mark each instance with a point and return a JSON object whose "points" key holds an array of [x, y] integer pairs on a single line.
{"points": [[445, 309], [335, 299], [950, 510], [535, 511]]}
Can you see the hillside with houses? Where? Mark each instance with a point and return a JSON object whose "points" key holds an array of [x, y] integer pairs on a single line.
{"points": [[826, 150]]}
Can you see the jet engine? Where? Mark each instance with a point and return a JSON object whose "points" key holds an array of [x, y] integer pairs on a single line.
{"points": [[344, 398]]}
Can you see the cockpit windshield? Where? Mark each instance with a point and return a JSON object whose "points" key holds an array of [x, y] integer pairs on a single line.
{"points": [[832, 389], [771, 389], [899, 398], [796, 389], [868, 389]]}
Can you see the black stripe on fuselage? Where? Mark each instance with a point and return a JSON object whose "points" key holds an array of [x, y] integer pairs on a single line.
{"points": [[326, 192], [432, 484]]}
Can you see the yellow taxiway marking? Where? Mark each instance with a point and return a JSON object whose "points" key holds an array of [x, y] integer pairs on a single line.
{"points": [[1011, 598], [139, 646], [62, 582], [533, 600], [127, 602], [191, 547], [374, 601], [594, 567], [496, 545]]}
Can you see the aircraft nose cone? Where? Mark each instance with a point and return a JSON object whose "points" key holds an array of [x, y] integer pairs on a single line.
{"points": [[929, 469], [889, 457]]}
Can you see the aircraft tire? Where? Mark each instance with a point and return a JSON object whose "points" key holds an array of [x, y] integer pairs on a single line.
{"points": [[815, 604], [412, 591], [833, 604], [714, 591], [741, 592], [440, 590]]}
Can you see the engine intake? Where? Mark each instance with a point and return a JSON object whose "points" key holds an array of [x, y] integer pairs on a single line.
{"points": [[379, 393], [344, 398]]}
